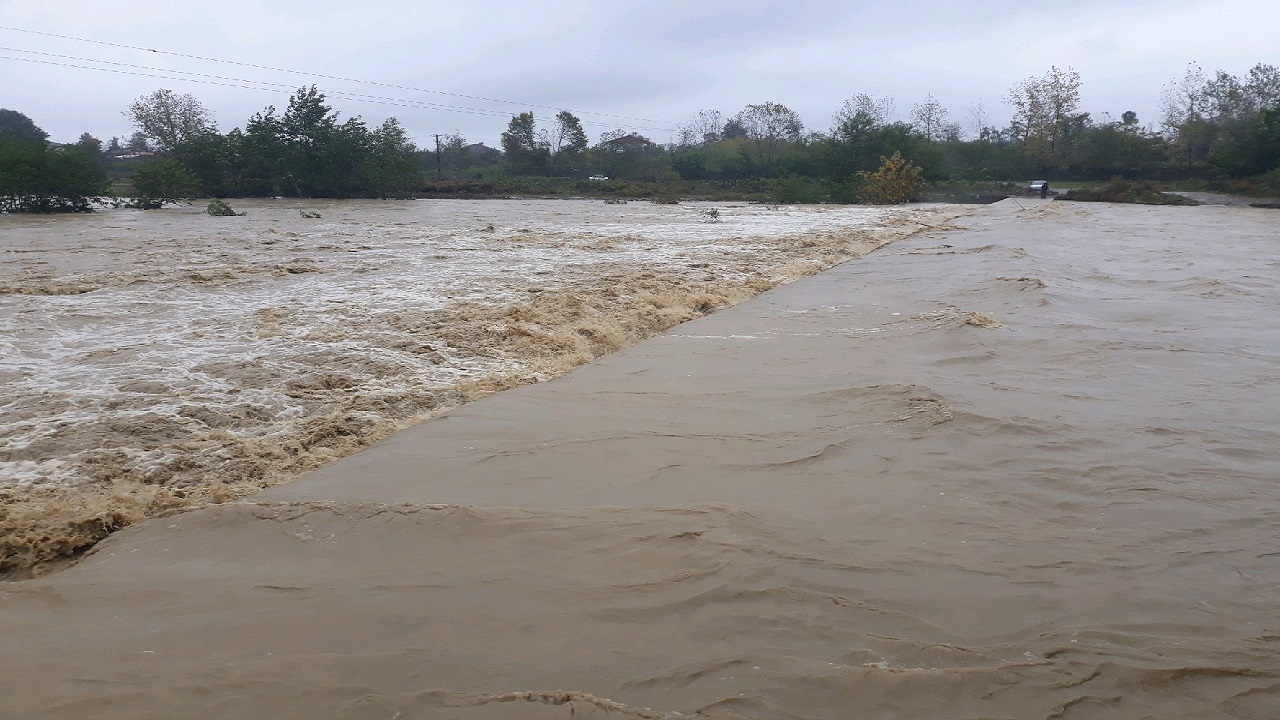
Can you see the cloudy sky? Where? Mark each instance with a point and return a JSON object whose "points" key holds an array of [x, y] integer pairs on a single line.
{"points": [[456, 66]]}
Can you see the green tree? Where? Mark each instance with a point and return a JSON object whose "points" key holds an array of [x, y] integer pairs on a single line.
{"points": [[1263, 86], [90, 144], [162, 181], [1046, 112], [929, 118], [389, 167], [138, 143], [1183, 115], [524, 151], [38, 179], [1115, 149], [878, 112], [206, 157], [860, 140], [704, 128], [453, 153], [565, 141], [625, 155], [768, 127], [262, 156], [310, 131], [169, 119], [15, 124]]}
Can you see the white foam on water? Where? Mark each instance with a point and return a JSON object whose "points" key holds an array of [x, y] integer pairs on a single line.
{"points": [[178, 316]]}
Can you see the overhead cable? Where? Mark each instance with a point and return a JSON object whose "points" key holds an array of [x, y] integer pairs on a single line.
{"points": [[245, 84], [331, 77]]}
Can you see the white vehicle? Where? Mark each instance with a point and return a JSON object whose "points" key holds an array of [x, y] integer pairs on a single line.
{"points": [[598, 177]]}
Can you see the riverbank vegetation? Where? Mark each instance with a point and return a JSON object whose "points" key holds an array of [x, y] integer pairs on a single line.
{"points": [[1216, 131]]}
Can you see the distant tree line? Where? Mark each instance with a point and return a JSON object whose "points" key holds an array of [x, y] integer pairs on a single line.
{"points": [[36, 177], [1215, 126], [1212, 127], [305, 151]]}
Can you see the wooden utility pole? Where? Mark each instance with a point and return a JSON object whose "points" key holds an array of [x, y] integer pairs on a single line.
{"points": [[439, 174]]}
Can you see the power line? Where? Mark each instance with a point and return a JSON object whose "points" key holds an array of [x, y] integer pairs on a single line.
{"points": [[234, 82], [670, 125]]}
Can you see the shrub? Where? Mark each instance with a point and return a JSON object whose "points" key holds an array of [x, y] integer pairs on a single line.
{"points": [[160, 182], [796, 189], [1119, 190], [218, 208], [37, 179], [897, 181]]}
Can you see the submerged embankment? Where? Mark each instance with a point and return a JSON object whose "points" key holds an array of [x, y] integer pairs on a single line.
{"points": [[159, 360]]}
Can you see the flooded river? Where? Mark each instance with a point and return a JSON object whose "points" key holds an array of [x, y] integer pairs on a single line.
{"points": [[152, 360], [1024, 469]]}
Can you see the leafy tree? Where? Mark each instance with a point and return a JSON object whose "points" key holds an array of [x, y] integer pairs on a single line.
{"points": [[860, 140], [524, 151], [1225, 99], [1182, 105], [1267, 137], [453, 152], [979, 122], [206, 157], [566, 140], [389, 166], [309, 152], [768, 126], [1046, 111], [1263, 86], [1116, 149], [169, 118], [38, 179], [1216, 123], [90, 148], [733, 130], [312, 136], [630, 156], [90, 144], [877, 112], [262, 148], [162, 181], [929, 118], [138, 143], [704, 128], [15, 124]]}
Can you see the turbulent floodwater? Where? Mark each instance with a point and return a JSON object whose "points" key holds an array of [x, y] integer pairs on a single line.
{"points": [[155, 359], [1025, 469]]}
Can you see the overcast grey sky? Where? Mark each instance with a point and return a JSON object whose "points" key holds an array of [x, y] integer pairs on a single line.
{"points": [[654, 62]]}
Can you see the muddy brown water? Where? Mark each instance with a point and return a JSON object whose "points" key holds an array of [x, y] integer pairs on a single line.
{"points": [[159, 360], [1027, 469]]}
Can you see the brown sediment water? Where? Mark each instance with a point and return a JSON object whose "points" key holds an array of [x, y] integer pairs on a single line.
{"points": [[1026, 469], [154, 361]]}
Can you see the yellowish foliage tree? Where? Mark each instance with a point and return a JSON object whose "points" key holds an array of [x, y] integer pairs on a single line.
{"points": [[897, 181]]}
